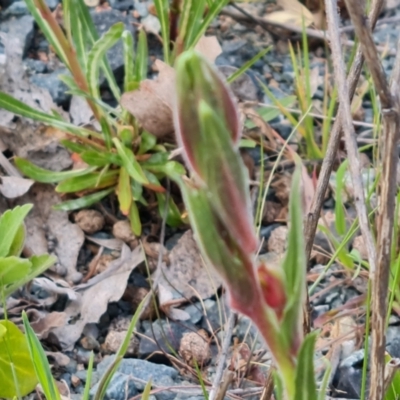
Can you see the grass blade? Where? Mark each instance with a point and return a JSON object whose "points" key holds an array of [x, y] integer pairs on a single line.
{"points": [[91, 36], [248, 65], [40, 362], [86, 393], [129, 78], [47, 31], [130, 163], [46, 176], [15, 106], [105, 380], [142, 54], [162, 8], [108, 40], [213, 11], [82, 202]]}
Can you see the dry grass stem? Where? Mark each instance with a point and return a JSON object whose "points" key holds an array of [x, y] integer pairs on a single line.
{"points": [[217, 387], [311, 220], [388, 188]]}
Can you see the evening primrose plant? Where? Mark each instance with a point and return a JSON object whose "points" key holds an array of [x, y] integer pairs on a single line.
{"points": [[120, 156], [218, 203]]}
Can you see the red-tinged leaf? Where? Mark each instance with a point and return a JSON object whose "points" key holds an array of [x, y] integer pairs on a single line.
{"points": [[273, 289], [124, 191], [198, 81], [224, 175]]}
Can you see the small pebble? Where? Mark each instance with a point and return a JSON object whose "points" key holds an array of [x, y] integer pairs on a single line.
{"points": [[90, 221], [195, 348]]}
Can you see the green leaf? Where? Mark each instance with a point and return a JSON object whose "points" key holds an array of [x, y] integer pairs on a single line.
{"points": [[191, 20], [108, 40], [40, 363], [84, 201], [134, 219], [13, 269], [10, 223], [147, 391], [129, 162], [91, 36], [46, 176], [147, 142], [212, 13], [14, 354], [294, 266], [88, 384], [9, 103], [305, 377], [47, 30], [142, 57], [39, 264], [174, 218], [129, 78], [106, 379], [269, 113], [75, 147], [247, 65], [340, 215], [18, 243], [162, 9], [100, 158], [92, 180], [124, 191]]}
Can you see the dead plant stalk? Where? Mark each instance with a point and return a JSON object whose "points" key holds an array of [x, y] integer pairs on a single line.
{"points": [[311, 220], [380, 263]]}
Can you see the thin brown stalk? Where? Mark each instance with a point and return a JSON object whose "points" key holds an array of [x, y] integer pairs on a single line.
{"points": [[311, 220], [348, 129], [222, 358], [379, 275], [379, 268]]}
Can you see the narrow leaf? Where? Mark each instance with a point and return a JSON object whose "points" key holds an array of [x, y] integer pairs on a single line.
{"points": [[84, 201], [46, 176]]}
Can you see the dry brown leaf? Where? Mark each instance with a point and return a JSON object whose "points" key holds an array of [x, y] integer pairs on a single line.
{"points": [[14, 186], [293, 13], [152, 103], [43, 322], [187, 273], [209, 47], [49, 230], [93, 297]]}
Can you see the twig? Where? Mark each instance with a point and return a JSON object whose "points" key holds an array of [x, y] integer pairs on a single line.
{"points": [[244, 16], [314, 115], [379, 274], [349, 133], [311, 222], [222, 358]]}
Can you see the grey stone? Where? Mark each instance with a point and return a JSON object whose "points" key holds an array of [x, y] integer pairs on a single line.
{"points": [[232, 46], [52, 4], [142, 371], [121, 387], [214, 314], [142, 7], [20, 28], [162, 334], [54, 85], [195, 311], [16, 9], [103, 22], [36, 66], [393, 341]]}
